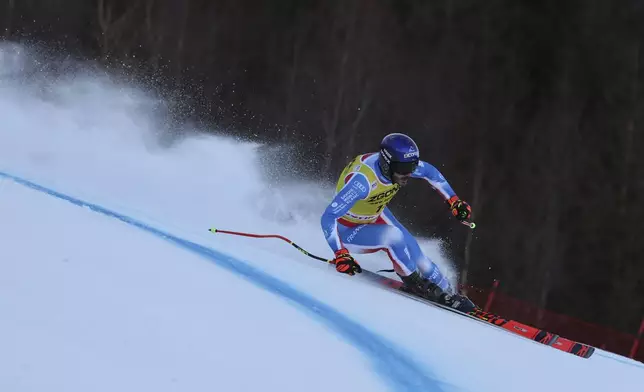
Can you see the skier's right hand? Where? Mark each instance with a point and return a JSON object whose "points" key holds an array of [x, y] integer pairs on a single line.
{"points": [[345, 263], [460, 209]]}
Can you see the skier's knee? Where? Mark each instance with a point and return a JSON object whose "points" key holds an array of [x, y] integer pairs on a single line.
{"points": [[393, 236]]}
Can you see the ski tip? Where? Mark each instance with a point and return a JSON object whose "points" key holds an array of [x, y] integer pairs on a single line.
{"points": [[212, 230]]}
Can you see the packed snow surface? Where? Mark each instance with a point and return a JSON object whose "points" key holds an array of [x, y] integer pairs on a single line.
{"points": [[109, 279]]}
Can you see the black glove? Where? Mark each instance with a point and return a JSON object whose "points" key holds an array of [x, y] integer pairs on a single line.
{"points": [[345, 263], [460, 209]]}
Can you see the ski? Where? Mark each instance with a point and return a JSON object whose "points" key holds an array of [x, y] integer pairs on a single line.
{"points": [[529, 332], [535, 334], [574, 348]]}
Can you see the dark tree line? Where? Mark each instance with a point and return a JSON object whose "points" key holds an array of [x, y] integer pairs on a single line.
{"points": [[532, 109]]}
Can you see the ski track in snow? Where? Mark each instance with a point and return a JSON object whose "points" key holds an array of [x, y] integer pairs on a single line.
{"points": [[400, 371]]}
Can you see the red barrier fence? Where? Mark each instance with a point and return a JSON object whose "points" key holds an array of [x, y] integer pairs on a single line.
{"points": [[628, 345]]}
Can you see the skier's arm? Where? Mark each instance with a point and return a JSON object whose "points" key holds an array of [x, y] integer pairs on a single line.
{"points": [[357, 187], [459, 208], [434, 177]]}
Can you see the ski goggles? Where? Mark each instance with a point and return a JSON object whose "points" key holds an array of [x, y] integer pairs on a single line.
{"points": [[403, 167]]}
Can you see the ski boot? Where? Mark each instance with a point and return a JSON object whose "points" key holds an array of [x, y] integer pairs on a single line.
{"points": [[424, 288]]}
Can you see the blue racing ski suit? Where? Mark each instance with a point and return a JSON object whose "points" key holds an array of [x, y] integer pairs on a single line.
{"points": [[358, 219]]}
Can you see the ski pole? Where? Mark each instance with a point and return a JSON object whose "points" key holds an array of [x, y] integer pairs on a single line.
{"points": [[296, 246], [469, 224]]}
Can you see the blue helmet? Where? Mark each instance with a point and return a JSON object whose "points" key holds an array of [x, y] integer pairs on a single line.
{"points": [[398, 154]]}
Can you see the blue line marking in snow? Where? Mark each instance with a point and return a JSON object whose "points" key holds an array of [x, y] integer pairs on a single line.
{"points": [[400, 371]]}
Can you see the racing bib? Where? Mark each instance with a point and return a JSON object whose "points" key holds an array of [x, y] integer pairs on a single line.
{"points": [[369, 209]]}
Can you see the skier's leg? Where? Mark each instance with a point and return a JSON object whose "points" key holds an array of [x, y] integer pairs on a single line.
{"points": [[390, 238], [371, 238], [426, 266]]}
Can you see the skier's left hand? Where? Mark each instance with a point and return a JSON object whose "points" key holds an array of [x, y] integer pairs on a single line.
{"points": [[460, 209]]}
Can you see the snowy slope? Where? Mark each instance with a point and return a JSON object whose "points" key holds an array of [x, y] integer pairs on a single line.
{"points": [[90, 304], [136, 294]]}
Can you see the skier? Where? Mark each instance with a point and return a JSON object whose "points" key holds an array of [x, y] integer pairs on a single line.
{"points": [[358, 221]]}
